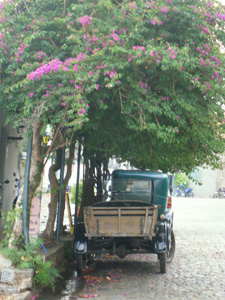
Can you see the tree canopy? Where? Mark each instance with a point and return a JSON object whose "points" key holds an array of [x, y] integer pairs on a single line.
{"points": [[142, 80]]}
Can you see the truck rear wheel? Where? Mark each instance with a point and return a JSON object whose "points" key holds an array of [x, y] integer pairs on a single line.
{"points": [[162, 262]]}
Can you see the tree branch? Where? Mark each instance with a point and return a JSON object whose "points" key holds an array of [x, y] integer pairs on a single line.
{"points": [[121, 101], [49, 39], [54, 139]]}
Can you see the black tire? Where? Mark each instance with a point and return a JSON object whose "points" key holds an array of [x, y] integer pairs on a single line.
{"points": [[171, 253], [79, 263], [162, 262]]}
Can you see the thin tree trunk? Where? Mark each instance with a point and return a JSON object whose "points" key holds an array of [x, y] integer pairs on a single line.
{"points": [[85, 193], [18, 224], [48, 233], [88, 197], [54, 184], [36, 168], [66, 180], [37, 160]]}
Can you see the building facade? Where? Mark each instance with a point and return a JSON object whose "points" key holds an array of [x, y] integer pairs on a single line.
{"points": [[10, 148]]}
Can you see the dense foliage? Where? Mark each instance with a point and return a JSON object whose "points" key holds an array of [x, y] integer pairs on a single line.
{"points": [[142, 80], [45, 274]]}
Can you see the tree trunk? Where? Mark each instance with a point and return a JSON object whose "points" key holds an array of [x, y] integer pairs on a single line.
{"points": [[48, 233], [93, 174], [65, 182], [54, 186], [99, 180], [88, 197], [36, 168], [18, 224], [37, 160]]}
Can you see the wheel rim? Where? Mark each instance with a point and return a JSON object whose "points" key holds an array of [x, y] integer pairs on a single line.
{"points": [[171, 253]]}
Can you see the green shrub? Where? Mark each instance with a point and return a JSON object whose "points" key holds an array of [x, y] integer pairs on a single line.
{"points": [[26, 257], [45, 273], [8, 220]]}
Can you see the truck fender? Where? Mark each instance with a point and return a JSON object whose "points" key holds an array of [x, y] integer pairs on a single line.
{"points": [[160, 240], [80, 243], [169, 214], [80, 247]]}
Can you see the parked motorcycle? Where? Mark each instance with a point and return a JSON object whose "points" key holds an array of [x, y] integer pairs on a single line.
{"points": [[189, 192], [182, 192], [220, 193]]}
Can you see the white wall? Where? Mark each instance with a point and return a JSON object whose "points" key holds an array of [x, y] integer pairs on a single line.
{"points": [[9, 163], [211, 180], [208, 178]]}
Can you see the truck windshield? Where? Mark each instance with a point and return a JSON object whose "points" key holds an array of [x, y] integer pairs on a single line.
{"points": [[140, 190]]}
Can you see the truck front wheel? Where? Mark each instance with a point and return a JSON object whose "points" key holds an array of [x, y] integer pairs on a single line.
{"points": [[171, 253]]}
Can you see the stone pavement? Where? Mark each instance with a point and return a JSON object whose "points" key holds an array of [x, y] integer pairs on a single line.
{"points": [[197, 271]]}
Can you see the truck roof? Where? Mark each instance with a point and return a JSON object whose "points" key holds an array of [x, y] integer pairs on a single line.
{"points": [[138, 175]]}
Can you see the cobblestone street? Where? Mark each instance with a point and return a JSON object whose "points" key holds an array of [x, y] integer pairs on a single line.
{"points": [[197, 271]]}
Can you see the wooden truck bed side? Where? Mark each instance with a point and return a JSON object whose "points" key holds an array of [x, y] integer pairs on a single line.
{"points": [[120, 221]]}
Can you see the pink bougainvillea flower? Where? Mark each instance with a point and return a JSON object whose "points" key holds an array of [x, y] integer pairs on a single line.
{"points": [[76, 68], [31, 95], [153, 22], [164, 9], [81, 111], [53, 65], [132, 5], [85, 20]]}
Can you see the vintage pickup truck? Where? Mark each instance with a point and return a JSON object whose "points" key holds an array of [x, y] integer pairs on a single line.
{"points": [[136, 217]]}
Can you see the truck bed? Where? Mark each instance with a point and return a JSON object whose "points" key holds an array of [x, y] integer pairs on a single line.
{"points": [[120, 221]]}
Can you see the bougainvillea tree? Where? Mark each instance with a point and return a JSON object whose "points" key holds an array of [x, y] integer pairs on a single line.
{"points": [[160, 63], [142, 80]]}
